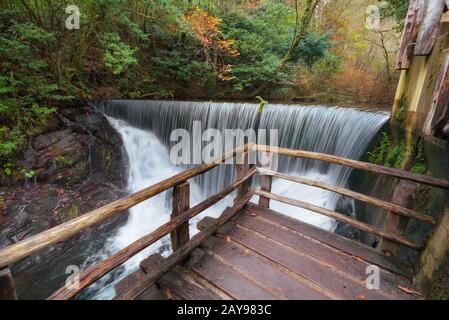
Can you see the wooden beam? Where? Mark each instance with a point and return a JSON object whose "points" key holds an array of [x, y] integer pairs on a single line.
{"points": [[181, 204], [419, 178], [355, 195], [440, 108], [440, 97], [7, 287], [339, 217], [27, 247], [97, 271], [173, 260], [409, 35], [429, 29]]}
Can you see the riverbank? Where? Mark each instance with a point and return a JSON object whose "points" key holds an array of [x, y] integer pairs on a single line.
{"points": [[77, 165]]}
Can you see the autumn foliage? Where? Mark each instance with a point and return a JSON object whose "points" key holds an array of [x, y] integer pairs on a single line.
{"points": [[214, 48]]}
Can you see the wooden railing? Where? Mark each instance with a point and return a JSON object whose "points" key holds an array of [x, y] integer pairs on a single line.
{"points": [[177, 227]]}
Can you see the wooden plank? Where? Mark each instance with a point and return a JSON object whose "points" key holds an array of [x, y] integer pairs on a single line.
{"points": [[317, 272], [409, 35], [349, 266], [230, 281], [342, 218], [151, 262], [187, 286], [439, 109], [205, 223], [264, 272], [128, 281], [153, 293], [355, 195], [175, 284], [181, 203], [7, 287], [184, 251], [341, 244], [97, 271], [429, 28], [27, 247], [419, 178]]}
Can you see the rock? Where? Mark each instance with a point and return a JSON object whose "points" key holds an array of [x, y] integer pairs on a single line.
{"points": [[80, 167], [346, 206]]}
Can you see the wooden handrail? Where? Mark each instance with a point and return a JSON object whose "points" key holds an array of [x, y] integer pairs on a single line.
{"points": [[402, 174], [27, 247], [355, 195], [153, 275], [94, 273], [340, 217]]}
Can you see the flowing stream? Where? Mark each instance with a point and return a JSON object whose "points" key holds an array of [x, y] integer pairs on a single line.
{"points": [[145, 127]]}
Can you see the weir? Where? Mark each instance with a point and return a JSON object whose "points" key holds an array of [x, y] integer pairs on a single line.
{"points": [[345, 132]]}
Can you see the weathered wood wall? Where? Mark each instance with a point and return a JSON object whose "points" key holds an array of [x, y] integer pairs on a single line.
{"points": [[423, 57], [421, 104]]}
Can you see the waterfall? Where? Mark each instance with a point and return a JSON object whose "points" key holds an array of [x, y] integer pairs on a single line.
{"points": [[145, 127]]}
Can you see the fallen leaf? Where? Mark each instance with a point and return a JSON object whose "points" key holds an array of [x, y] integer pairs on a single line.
{"points": [[253, 215], [228, 239], [361, 296]]}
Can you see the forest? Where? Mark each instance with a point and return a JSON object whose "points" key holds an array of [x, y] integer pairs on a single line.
{"points": [[283, 50]]}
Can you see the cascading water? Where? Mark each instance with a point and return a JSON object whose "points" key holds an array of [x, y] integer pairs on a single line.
{"points": [[145, 127]]}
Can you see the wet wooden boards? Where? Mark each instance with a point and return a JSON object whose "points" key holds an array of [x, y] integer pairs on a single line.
{"points": [[264, 255]]}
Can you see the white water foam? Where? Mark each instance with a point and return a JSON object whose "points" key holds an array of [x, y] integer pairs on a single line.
{"points": [[149, 163]]}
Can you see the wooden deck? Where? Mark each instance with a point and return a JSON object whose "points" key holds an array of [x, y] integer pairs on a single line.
{"points": [[249, 251], [261, 254]]}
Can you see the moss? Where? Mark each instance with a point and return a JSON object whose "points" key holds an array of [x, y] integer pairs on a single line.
{"points": [[77, 174], [388, 154], [65, 161], [400, 115], [72, 212], [106, 156], [2, 206], [395, 156], [438, 287], [419, 156], [377, 155]]}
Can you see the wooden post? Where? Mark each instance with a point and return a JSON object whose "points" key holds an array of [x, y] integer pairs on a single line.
{"points": [[7, 287], [242, 169], [265, 185], [266, 181], [181, 203]]}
